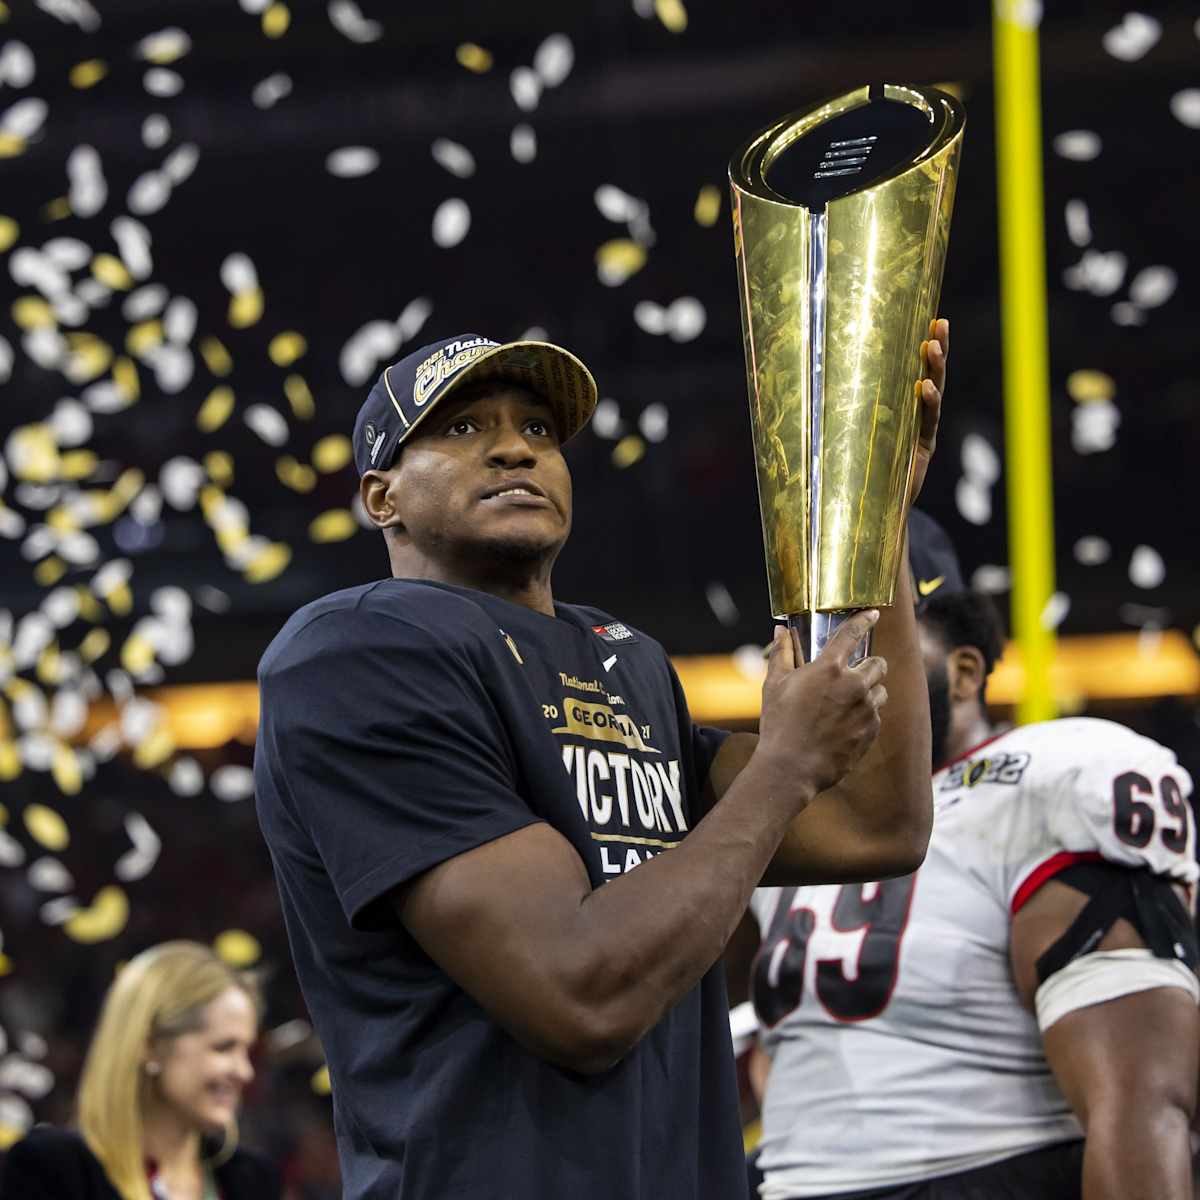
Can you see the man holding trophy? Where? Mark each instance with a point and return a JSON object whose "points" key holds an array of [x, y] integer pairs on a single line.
{"points": [[513, 968]]}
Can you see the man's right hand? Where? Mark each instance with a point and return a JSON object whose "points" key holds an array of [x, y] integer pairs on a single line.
{"points": [[818, 719]]}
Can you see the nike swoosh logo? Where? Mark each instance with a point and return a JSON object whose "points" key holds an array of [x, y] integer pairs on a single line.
{"points": [[928, 586]]}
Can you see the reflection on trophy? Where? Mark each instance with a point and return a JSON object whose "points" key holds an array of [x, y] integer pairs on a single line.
{"points": [[841, 220]]}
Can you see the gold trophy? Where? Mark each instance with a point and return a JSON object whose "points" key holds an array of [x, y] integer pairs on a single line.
{"points": [[841, 218]]}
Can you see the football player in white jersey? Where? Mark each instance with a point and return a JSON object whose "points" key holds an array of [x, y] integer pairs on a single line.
{"points": [[1018, 1018]]}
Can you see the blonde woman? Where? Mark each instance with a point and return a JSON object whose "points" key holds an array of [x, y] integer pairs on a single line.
{"points": [[159, 1094]]}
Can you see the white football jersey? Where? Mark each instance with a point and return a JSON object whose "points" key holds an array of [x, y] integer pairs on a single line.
{"points": [[900, 1049]]}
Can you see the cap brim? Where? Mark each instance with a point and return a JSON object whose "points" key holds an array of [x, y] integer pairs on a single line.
{"points": [[551, 372]]}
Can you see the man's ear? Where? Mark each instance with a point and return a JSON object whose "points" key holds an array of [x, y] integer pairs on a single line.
{"points": [[374, 489], [967, 672]]}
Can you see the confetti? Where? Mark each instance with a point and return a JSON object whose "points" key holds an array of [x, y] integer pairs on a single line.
{"points": [[334, 526], [49, 875], [525, 88], [629, 450], [1133, 38], [24, 120], [708, 206], [352, 162], [185, 777], [1094, 427], [1185, 107], [1153, 286], [750, 661], [139, 861], [332, 453], [451, 223], [237, 947], [268, 92], [46, 827], [72, 12], [232, 783], [974, 501], [87, 74], [1146, 568], [165, 46], [1056, 610], [654, 422], [474, 58], [522, 143], [1079, 145], [672, 14], [88, 190], [276, 20], [618, 260], [554, 59], [347, 18], [17, 66], [286, 348], [1079, 228], [104, 919], [1090, 387], [299, 397], [268, 423], [606, 420], [722, 604], [456, 159], [158, 81], [149, 193], [1099, 273], [181, 162]]}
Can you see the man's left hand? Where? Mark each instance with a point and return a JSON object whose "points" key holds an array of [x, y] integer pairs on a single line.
{"points": [[936, 353]]}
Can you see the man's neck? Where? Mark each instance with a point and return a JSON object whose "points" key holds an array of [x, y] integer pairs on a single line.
{"points": [[518, 583], [967, 733]]}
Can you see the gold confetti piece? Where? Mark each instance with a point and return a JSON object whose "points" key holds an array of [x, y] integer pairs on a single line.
{"points": [[299, 397], [120, 599], [219, 465], [231, 537], [215, 410], [708, 206], [285, 348], [89, 610], [137, 655], [50, 666], [112, 272], [5, 1130], [49, 571], [268, 563], [9, 232], [211, 499], [76, 464], [332, 453], [127, 486], [57, 210], [89, 73], [215, 356], [275, 20], [95, 645], [336, 525], [320, 1081], [628, 450], [66, 770], [33, 453], [155, 749], [144, 337], [245, 308], [237, 947], [1090, 387], [296, 475], [474, 58], [47, 827], [10, 760], [106, 917], [3, 11], [89, 357], [3, 816], [32, 312], [125, 377], [63, 519], [672, 14], [11, 144], [617, 260]]}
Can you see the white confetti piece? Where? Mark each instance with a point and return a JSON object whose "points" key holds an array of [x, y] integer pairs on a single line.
{"points": [[78, 548], [104, 397], [12, 524], [254, 7], [47, 875], [181, 162], [1136, 35], [347, 18], [686, 319], [58, 912], [1079, 145], [145, 302], [25, 118], [164, 46], [974, 501], [268, 423], [1153, 286], [179, 321], [133, 242], [615, 204], [185, 777], [17, 67], [1097, 272], [69, 254], [654, 422], [980, 461], [88, 191], [456, 159], [156, 131], [138, 862], [1094, 427], [106, 743], [1079, 227], [268, 92], [1146, 567], [451, 222], [61, 606], [34, 632], [158, 81], [72, 12], [722, 603], [180, 480], [30, 1079], [6, 366], [1091, 551], [650, 317], [68, 713], [231, 783], [212, 599], [15, 1113], [750, 661], [522, 143], [991, 579], [352, 162], [1056, 610], [71, 422], [238, 274], [173, 367], [69, 310], [31, 1045], [149, 193], [554, 59], [37, 496], [1185, 107], [12, 853], [173, 604], [412, 318], [147, 505], [37, 750], [139, 719], [30, 268], [1125, 313], [93, 293], [526, 88], [606, 420]]}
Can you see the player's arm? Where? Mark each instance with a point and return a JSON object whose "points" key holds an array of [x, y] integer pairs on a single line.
{"points": [[579, 975], [1127, 1066], [875, 823]]}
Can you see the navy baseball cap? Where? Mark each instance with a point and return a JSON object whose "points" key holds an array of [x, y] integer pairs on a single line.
{"points": [[932, 558], [410, 389]]}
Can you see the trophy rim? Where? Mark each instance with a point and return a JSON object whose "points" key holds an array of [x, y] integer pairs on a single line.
{"points": [[747, 168]]}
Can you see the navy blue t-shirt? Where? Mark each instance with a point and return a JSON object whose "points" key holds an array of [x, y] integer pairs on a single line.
{"points": [[404, 723]]}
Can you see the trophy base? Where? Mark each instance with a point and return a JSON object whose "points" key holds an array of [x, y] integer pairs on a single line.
{"points": [[810, 632]]}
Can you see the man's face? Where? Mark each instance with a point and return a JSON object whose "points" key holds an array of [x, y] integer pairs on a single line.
{"points": [[484, 479]]}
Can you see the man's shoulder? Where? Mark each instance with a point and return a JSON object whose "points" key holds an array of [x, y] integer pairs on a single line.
{"points": [[396, 613], [611, 629]]}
